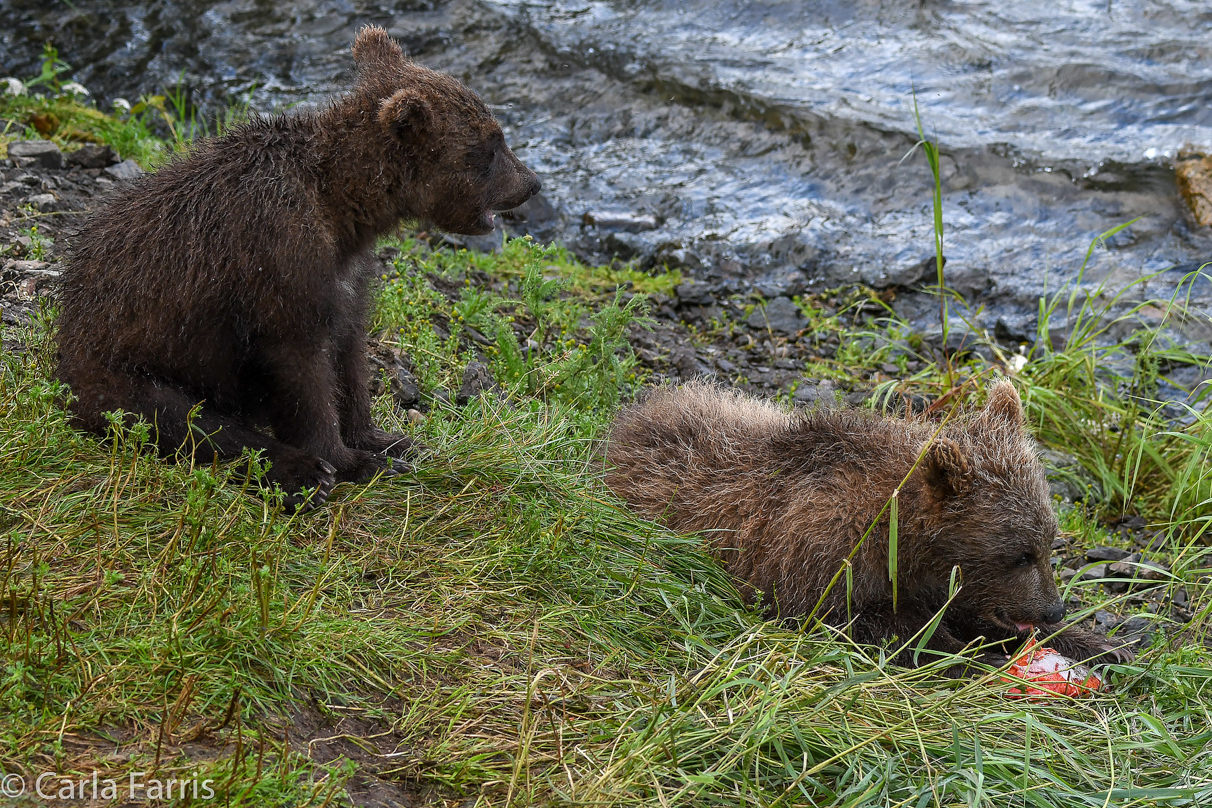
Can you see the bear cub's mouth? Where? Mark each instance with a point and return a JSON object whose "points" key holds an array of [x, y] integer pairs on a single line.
{"points": [[1004, 620]]}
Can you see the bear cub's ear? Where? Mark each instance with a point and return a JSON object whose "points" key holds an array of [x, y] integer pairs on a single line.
{"points": [[407, 112], [946, 469], [375, 50], [1004, 409]]}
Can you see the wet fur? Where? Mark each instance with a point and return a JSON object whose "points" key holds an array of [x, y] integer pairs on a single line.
{"points": [[785, 498], [236, 277]]}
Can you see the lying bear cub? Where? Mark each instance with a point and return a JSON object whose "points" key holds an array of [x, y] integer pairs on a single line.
{"points": [[785, 499], [235, 277]]}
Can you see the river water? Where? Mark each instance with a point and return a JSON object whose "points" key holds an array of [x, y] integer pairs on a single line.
{"points": [[756, 142]]}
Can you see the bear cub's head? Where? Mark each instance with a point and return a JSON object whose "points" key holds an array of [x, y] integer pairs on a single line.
{"points": [[991, 513], [459, 169]]}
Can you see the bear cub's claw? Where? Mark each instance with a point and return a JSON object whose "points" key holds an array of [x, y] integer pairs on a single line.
{"points": [[307, 479]]}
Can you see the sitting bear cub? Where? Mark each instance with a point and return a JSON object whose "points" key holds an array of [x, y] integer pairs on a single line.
{"points": [[236, 277]]}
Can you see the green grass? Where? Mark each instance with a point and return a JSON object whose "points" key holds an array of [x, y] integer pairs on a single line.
{"points": [[71, 123], [495, 629], [505, 628]]}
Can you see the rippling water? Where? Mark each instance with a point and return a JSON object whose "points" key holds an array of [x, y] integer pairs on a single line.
{"points": [[757, 140]]}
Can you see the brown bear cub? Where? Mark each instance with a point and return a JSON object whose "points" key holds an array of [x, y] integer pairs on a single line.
{"points": [[784, 499], [236, 277]]}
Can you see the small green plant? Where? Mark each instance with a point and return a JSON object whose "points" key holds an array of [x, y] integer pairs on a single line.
{"points": [[39, 245], [52, 68]]}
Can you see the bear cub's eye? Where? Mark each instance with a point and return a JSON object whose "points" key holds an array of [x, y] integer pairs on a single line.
{"points": [[1023, 560]]}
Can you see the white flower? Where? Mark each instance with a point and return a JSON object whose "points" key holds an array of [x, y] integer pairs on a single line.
{"points": [[75, 88], [1017, 362], [11, 86], [121, 104]]}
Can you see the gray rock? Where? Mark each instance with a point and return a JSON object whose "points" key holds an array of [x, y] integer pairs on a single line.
{"points": [[695, 293], [35, 153], [626, 222], [1103, 553], [624, 245], [968, 283], [126, 170], [1136, 625], [923, 272], [782, 282], [1097, 572], [1104, 621], [91, 155], [477, 379], [687, 362], [43, 202], [959, 340], [405, 391], [779, 315], [1066, 477], [1015, 329], [536, 216]]}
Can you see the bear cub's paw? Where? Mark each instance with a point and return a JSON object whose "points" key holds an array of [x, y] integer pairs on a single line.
{"points": [[365, 466], [306, 479], [391, 444], [1082, 645]]}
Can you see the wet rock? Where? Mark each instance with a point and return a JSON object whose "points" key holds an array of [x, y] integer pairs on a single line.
{"points": [[92, 155], [623, 245], [388, 362], [921, 272], [126, 170], [969, 283], [43, 202], [780, 316], [405, 391], [1067, 480], [782, 282], [626, 222], [1103, 553], [1015, 329], [1104, 621], [957, 343], [35, 154], [857, 398], [477, 379], [536, 217], [687, 363], [673, 256], [1194, 178], [1136, 625], [1097, 572], [695, 293]]}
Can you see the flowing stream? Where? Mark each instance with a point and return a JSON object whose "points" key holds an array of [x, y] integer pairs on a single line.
{"points": [[767, 143]]}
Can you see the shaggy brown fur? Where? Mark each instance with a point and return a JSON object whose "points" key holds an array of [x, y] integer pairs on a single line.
{"points": [[786, 498], [236, 277]]}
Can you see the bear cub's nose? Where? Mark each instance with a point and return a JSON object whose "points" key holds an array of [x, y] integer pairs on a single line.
{"points": [[1056, 613]]}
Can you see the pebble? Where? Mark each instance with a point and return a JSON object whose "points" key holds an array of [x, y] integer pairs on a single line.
{"points": [[1103, 553], [35, 154], [126, 170], [477, 378], [1097, 572], [780, 315], [91, 155], [43, 202], [416, 417]]}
